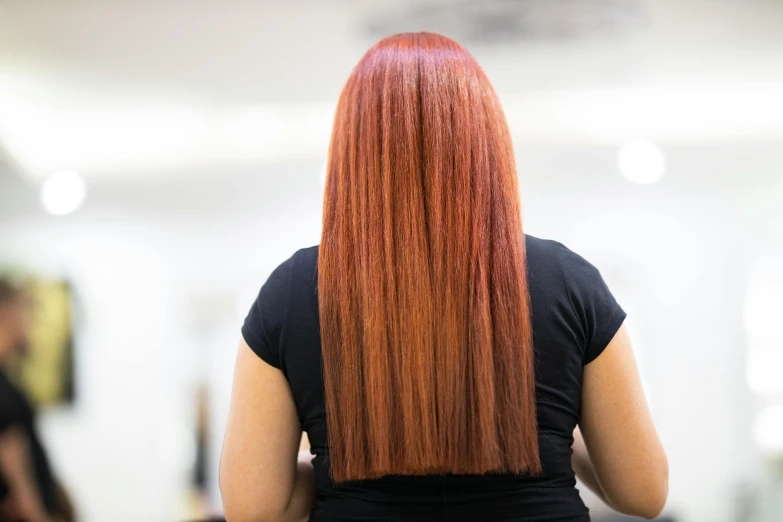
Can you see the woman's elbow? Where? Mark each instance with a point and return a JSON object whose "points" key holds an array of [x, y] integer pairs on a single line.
{"points": [[650, 498], [653, 505], [239, 506], [659, 490], [240, 511]]}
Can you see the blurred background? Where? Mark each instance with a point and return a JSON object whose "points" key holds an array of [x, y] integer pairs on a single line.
{"points": [[159, 159]]}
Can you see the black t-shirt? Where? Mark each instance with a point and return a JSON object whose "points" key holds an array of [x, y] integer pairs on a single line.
{"points": [[17, 412], [574, 317]]}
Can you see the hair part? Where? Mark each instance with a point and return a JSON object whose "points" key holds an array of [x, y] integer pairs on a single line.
{"points": [[423, 300]]}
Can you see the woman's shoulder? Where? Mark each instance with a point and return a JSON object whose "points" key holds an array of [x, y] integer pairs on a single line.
{"points": [[308, 252], [304, 265], [550, 256], [301, 261], [539, 248], [558, 274]]}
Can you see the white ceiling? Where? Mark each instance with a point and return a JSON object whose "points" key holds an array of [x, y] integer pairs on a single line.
{"points": [[133, 88]]}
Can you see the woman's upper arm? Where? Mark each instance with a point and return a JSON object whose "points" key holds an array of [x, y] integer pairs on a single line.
{"points": [[258, 464], [619, 433]]}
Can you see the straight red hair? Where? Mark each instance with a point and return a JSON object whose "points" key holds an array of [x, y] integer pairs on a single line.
{"points": [[424, 307]]}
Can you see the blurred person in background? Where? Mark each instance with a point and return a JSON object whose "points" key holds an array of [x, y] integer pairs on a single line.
{"points": [[440, 361], [28, 491]]}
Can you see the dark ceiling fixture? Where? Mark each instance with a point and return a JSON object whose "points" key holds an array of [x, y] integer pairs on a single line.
{"points": [[512, 21]]}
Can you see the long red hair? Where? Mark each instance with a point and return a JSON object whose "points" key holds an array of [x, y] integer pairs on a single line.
{"points": [[424, 307]]}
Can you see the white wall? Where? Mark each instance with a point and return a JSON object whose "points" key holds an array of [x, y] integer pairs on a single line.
{"points": [[161, 288], [164, 274]]}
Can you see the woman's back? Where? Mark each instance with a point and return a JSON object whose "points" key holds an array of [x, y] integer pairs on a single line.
{"points": [[574, 316], [435, 356]]}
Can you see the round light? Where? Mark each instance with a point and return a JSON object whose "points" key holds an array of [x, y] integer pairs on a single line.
{"points": [[63, 192], [642, 162]]}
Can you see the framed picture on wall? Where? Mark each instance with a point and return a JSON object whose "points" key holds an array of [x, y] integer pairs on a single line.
{"points": [[46, 370]]}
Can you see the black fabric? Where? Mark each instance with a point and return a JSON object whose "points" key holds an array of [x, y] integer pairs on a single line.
{"points": [[574, 317], [17, 412]]}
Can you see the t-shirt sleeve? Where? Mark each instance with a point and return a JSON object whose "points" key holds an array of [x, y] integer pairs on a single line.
{"points": [[599, 314], [263, 325]]}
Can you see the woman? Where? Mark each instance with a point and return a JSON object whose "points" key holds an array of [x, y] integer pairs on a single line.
{"points": [[438, 359], [28, 488]]}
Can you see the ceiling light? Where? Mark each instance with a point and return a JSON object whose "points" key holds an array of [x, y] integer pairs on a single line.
{"points": [[641, 162], [63, 192]]}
